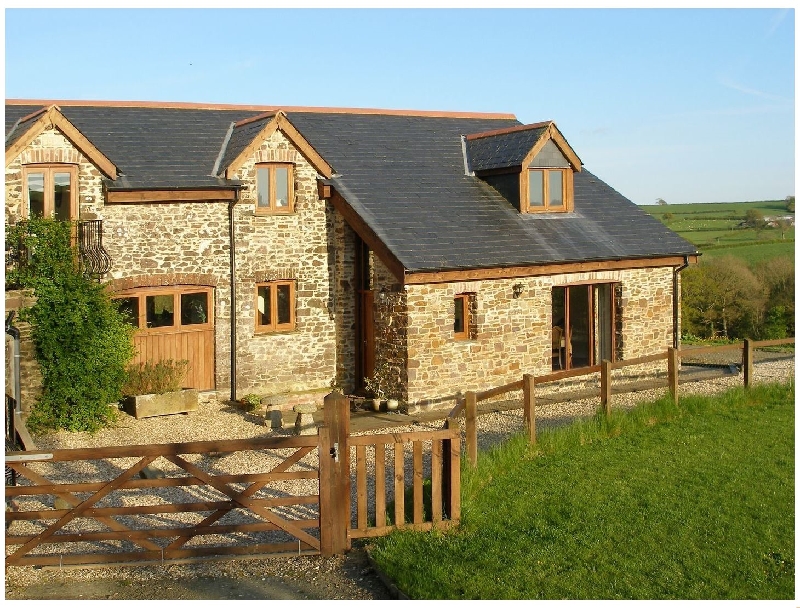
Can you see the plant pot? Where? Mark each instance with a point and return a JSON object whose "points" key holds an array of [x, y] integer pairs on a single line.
{"points": [[392, 405], [376, 405], [176, 402]]}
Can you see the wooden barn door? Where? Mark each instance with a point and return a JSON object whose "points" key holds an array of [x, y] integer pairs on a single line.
{"points": [[174, 323]]}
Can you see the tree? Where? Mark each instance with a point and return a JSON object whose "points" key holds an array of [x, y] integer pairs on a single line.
{"points": [[660, 201], [777, 274], [754, 219], [783, 225], [790, 204], [721, 297]]}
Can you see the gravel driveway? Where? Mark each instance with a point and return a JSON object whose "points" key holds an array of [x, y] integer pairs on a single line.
{"points": [[348, 577]]}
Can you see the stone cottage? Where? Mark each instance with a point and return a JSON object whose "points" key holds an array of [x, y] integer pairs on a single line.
{"points": [[284, 250]]}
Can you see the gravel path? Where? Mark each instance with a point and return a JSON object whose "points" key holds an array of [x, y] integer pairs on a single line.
{"points": [[348, 577]]}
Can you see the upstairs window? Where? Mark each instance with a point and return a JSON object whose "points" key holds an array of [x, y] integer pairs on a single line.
{"points": [[548, 190], [275, 306], [51, 191], [275, 188]]}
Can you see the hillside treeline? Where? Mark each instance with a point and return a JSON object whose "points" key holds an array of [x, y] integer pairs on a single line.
{"points": [[725, 298]]}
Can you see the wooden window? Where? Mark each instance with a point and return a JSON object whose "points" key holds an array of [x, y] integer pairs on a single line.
{"points": [[275, 306], [462, 319], [274, 188], [546, 190], [167, 309], [50, 191]]}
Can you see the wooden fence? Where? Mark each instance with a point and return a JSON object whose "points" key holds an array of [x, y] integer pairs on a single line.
{"points": [[469, 405], [197, 508]]}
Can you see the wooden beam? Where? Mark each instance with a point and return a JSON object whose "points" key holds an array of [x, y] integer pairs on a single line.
{"points": [[168, 196], [367, 234], [53, 117], [514, 272], [280, 123]]}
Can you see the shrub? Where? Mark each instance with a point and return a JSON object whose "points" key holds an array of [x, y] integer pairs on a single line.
{"points": [[81, 342], [162, 377]]}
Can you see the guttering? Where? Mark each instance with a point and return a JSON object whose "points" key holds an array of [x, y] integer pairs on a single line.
{"points": [[232, 233], [676, 302]]}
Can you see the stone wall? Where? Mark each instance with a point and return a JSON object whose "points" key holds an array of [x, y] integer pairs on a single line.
{"points": [[299, 246], [30, 375], [188, 243], [513, 334]]}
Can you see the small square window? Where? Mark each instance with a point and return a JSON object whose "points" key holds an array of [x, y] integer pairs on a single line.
{"points": [[274, 188], [275, 306]]}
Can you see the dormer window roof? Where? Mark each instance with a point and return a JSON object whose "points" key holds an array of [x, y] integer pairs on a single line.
{"points": [[531, 165]]}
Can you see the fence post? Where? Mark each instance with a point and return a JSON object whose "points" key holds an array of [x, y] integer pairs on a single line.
{"points": [[334, 475], [673, 365], [605, 385], [472, 428], [529, 406], [747, 362], [452, 470]]}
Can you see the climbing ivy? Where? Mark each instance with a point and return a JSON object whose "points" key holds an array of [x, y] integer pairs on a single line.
{"points": [[81, 341]]}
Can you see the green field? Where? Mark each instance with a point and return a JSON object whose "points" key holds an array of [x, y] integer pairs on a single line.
{"points": [[664, 502], [715, 229]]}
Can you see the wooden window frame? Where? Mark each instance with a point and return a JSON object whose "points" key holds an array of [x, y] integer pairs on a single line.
{"points": [[176, 292], [272, 209], [49, 189], [566, 190], [274, 326], [465, 300]]}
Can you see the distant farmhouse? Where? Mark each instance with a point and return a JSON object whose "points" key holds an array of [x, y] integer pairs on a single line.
{"points": [[285, 250]]}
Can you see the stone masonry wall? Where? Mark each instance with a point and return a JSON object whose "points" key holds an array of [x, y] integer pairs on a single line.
{"points": [[297, 246], [513, 334], [188, 243]]}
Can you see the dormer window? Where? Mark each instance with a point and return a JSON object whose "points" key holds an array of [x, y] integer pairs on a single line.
{"points": [[531, 166], [548, 190]]}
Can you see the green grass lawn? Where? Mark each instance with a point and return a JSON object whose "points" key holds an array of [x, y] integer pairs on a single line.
{"points": [[694, 502]]}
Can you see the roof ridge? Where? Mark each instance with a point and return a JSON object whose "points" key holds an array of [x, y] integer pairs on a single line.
{"points": [[263, 108], [535, 125]]}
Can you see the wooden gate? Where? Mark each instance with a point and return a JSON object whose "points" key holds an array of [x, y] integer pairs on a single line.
{"points": [[160, 502], [179, 501]]}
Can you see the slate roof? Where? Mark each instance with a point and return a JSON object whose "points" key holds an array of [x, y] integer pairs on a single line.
{"points": [[403, 174], [503, 149]]}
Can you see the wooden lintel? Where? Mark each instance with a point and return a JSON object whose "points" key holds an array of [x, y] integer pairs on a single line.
{"points": [[168, 196], [368, 235], [514, 272]]}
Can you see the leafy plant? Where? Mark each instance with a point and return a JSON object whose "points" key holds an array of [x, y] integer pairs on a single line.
{"points": [[81, 341], [251, 401], [155, 378]]}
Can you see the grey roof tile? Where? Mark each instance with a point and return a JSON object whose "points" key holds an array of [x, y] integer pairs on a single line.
{"points": [[403, 174]]}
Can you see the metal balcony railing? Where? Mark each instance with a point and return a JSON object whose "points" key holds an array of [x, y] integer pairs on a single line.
{"points": [[94, 259]]}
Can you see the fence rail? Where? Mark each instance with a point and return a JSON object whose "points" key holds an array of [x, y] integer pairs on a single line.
{"points": [[195, 508], [469, 405]]}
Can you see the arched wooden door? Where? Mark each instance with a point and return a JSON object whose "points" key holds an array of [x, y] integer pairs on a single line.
{"points": [[176, 323]]}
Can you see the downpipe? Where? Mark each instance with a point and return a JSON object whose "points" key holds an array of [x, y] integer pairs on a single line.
{"points": [[676, 305]]}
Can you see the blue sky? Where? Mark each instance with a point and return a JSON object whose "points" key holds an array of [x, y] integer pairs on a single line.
{"points": [[686, 105]]}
